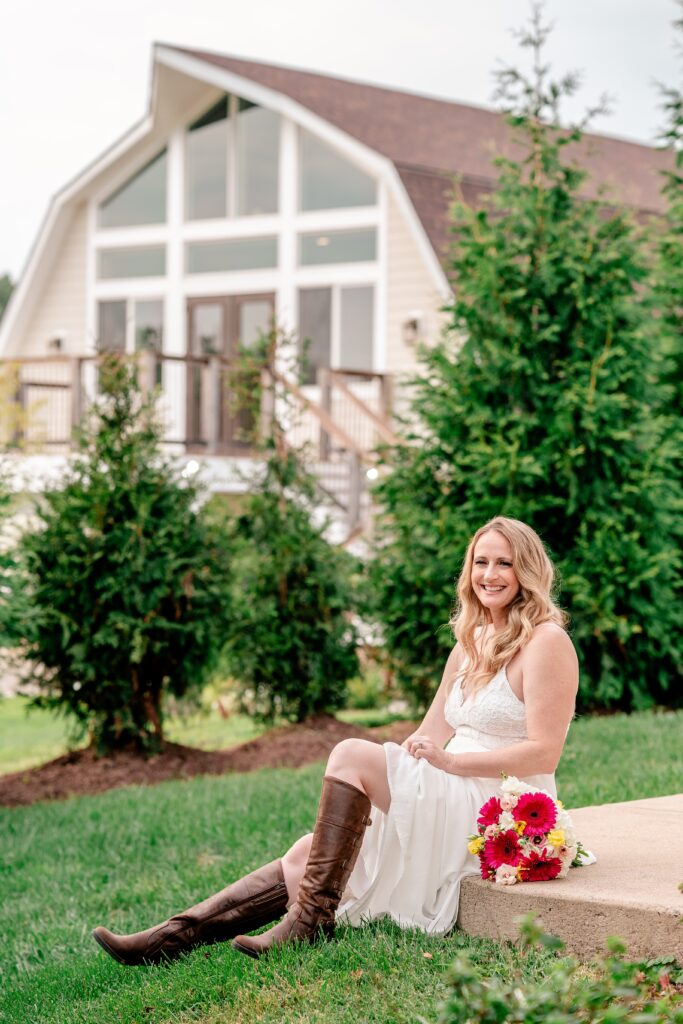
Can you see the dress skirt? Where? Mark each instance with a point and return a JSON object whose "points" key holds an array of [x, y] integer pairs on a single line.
{"points": [[414, 857]]}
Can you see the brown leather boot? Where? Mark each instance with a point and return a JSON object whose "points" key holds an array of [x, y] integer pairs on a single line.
{"points": [[249, 903], [343, 815]]}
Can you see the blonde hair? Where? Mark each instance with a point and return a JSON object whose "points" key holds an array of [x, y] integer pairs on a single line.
{"points": [[531, 606]]}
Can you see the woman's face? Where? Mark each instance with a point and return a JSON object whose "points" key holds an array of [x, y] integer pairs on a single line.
{"points": [[493, 578]]}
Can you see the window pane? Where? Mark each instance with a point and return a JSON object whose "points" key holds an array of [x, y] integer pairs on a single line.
{"points": [[142, 200], [258, 150], [111, 326], [338, 247], [206, 164], [207, 329], [149, 325], [231, 254], [315, 317], [356, 330], [138, 262], [327, 180], [255, 318]]}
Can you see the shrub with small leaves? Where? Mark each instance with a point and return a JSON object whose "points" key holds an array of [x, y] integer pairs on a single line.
{"points": [[543, 404], [613, 989], [125, 578]]}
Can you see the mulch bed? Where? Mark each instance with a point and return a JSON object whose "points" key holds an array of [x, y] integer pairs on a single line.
{"points": [[83, 772]]}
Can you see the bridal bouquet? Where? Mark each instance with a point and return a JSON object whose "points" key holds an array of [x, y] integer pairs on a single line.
{"points": [[524, 835]]}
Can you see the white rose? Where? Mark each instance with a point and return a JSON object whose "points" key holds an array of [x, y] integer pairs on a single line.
{"points": [[506, 874], [514, 787], [508, 802], [506, 820]]}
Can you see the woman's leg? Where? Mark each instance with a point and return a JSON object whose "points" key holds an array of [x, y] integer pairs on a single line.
{"points": [[362, 764]]}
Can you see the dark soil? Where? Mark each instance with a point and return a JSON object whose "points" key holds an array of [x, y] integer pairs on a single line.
{"points": [[83, 772]]}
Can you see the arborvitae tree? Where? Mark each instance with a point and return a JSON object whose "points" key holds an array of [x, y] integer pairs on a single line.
{"points": [[126, 580], [292, 646], [539, 405], [6, 289], [668, 291]]}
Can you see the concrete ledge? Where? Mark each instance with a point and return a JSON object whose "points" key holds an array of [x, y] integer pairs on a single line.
{"points": [[631, 892]]}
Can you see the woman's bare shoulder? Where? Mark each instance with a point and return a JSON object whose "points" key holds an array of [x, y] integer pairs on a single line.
{"points": [[550, 638]]}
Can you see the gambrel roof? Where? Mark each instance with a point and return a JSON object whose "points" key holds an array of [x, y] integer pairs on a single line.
{"points": [[432, 140]]}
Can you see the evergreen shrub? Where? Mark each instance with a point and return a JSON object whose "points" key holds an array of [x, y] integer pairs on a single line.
{"points": [[293, 644], [126, 580], [542, 403]]}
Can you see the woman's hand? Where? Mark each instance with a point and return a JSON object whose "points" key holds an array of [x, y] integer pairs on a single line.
{"points": [[421, 746]]}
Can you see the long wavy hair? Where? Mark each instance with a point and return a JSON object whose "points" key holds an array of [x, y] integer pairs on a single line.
{"points": [[532, 605]]}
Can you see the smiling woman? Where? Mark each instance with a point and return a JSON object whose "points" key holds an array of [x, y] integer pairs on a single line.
{"points": [[393, 822]]}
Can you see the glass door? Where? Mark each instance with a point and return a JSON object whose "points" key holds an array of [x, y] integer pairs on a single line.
{"points": [[222, 326]]}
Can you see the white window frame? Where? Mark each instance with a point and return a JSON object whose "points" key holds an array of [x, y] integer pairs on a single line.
{"points": [[130, 301]]}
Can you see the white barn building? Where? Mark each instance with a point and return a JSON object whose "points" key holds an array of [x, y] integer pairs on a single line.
{"points": [[249, 192]]}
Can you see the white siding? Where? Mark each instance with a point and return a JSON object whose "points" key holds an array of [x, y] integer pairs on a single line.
{"points": [[410, 289], [60, 309]]}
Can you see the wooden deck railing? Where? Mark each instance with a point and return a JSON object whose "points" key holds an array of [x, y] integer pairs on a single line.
{"points": [[339, 422]]}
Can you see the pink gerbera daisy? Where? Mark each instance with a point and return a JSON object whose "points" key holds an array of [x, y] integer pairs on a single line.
{"points": [[503, 849], [539, 867], [489, 813], [538, 811], [486, 869]]}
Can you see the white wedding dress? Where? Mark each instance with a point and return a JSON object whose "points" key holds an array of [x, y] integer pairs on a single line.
{"points": [[414, 857]]}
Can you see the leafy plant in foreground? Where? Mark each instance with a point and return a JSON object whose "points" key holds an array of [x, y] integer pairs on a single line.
{"points": [[613, 990]]}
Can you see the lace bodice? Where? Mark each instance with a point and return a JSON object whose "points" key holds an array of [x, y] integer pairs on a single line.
{"points": [[493, 716]]}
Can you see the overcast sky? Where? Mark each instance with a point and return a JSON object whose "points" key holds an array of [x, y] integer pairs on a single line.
{"points": [[74, 75]]}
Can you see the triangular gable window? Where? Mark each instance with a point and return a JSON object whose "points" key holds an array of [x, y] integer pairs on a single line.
{"points": [[141, 200], [328, 181]]}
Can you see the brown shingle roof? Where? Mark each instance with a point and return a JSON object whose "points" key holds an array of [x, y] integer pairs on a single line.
{"points": [[430, 140]]}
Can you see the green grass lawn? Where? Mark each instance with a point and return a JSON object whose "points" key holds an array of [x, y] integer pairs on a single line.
{"points": [[131, 857]]}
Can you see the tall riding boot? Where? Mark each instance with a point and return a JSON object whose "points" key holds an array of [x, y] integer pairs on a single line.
{"points": [[252, 901], [342, 819]]}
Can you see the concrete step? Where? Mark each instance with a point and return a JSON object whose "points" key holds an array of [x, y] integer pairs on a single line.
{"points": [[632, 892]]}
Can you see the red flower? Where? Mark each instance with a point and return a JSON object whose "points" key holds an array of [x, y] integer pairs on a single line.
{"points": [[487, 871], [538, 811], [539, 867], [488, 815], [503, 849]]}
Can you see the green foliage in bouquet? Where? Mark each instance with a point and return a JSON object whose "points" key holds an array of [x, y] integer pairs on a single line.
{"points": [[126, 580], [614, 990], [540, 404], [292, 646]]}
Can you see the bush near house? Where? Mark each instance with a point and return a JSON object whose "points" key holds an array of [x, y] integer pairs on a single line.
{"points": [[6, 289], [292, 646], [542, 404], [125, 580]]}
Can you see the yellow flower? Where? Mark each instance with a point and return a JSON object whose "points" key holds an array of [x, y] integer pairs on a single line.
{"points": [[556, 837], [520, 826], [475, 845], [560, 804]]}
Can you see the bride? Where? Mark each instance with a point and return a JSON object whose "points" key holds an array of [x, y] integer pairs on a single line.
{"points": [[390, 837]]}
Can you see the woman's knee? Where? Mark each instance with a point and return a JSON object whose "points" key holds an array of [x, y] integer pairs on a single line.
{"points": [[349, 753]]}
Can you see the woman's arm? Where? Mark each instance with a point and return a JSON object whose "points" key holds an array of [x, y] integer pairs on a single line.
{"points": [[550, 678], [434, 725]]}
